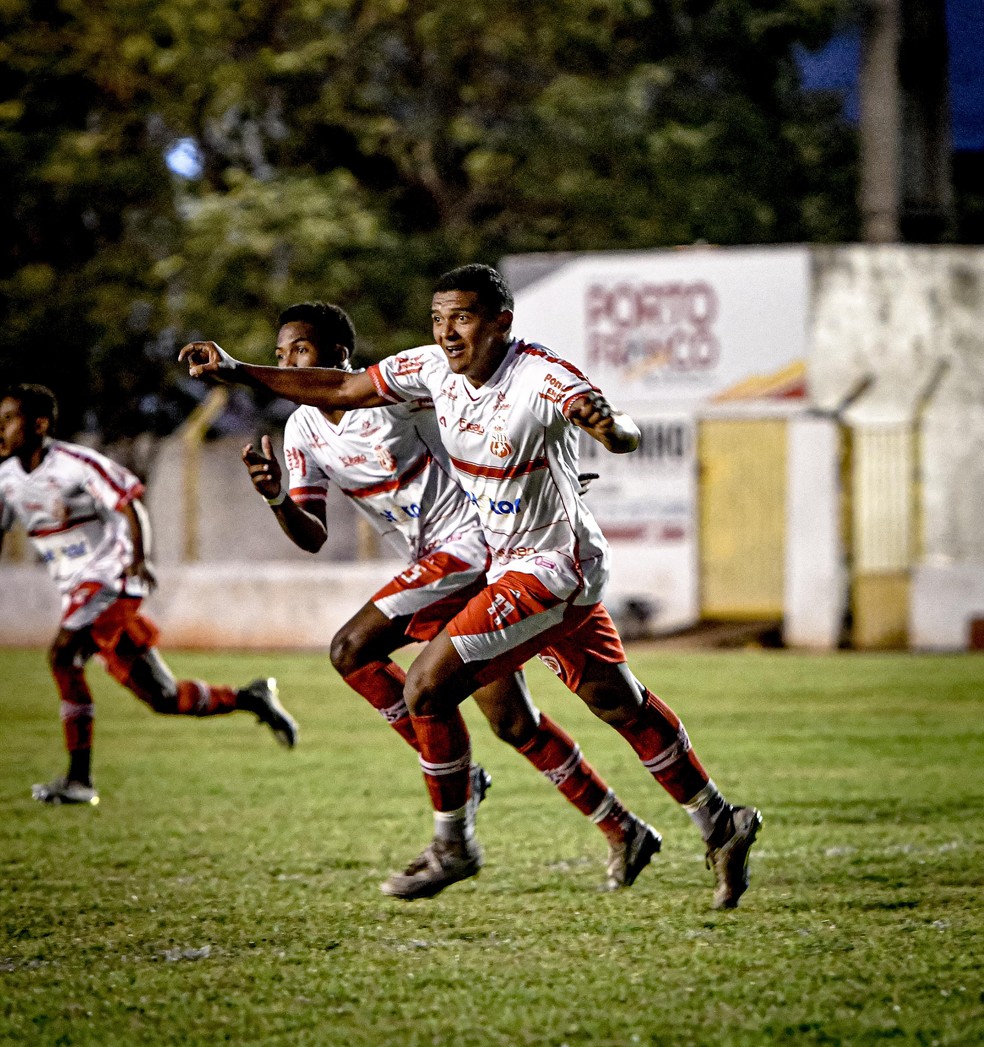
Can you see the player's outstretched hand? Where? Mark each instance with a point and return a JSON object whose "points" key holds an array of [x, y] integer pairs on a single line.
{"points": [[264, 469], [207, 358], [590, 411], [596, 416]]}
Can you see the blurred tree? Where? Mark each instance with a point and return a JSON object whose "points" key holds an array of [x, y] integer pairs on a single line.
{"points": [[353, 149]]}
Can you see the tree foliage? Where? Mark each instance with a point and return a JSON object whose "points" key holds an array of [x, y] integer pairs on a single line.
{"points": [[353, 149]]}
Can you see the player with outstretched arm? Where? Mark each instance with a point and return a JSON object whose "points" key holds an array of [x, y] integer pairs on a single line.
{"points": [[508, 413], [83, 515], [390, 462]]}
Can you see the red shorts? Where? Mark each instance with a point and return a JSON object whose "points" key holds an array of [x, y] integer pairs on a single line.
{"points": [[121, 617], [517, 618]]}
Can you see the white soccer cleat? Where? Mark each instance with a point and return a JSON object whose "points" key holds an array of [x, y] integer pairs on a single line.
{"points": [[628, 857], [64, 790], [440, 864], [730, 860]]}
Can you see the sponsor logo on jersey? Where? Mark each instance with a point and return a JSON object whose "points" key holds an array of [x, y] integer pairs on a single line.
{"points": [[555, 391], [500, 507], [408, 365], [354, 459], [470, 427], [542, 561], [368, 428]]}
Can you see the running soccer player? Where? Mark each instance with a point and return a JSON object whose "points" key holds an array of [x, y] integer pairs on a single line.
{"points": [[390, 463], [508, 413], [82, 512]]}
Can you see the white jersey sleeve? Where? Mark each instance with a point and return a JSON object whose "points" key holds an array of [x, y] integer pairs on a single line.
{"points": [[415, 374]]}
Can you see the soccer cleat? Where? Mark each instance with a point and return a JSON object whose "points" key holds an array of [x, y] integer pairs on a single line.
{"points": [[628, 857], [261, 697], [441, 864], [64, 790], [481, 782], [730, 860]]}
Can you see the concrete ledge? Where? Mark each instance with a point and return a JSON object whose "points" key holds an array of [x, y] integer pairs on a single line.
{"points": [[245, 605], [944, 601]]}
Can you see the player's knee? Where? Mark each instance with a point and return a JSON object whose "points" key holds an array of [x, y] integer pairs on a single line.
{"points": [[424, 694], [346, 651], [515, 727], [62, 655]]}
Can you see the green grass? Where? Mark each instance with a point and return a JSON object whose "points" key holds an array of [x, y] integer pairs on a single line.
{"points": [[227, 891]]}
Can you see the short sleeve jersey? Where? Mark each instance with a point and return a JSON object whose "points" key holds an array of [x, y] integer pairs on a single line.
{"points": [[514, 452], [390, 462], [70, 507]]}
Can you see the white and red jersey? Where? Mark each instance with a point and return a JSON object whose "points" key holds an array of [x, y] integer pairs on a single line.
{"points": [[390, 462], [516, 455], [70, 507]]}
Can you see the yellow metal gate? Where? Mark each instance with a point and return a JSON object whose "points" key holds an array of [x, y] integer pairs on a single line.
{"points": [[742, 517]]}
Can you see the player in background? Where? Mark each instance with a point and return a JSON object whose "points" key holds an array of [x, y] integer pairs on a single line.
{"points": [[82, 512], [509, 412], [391, 464]]}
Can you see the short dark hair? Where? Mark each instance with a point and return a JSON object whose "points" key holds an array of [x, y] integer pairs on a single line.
{"points": [[36, 401], [493, 292], [332, 324]]}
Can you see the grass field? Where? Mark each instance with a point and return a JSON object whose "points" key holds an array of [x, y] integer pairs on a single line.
{"points": [[226, 891]]}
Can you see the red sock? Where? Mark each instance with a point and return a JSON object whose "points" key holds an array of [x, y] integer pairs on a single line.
{"points": [[445, 759], [381, 684], [77, 709], [554, 753], [197, 698], [662, 743]]}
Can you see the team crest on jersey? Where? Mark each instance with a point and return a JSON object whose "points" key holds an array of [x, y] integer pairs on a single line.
{"points": [[499, 443], [385, 458], [296, 462]]}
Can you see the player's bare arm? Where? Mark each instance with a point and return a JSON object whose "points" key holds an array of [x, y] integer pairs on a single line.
{"points": [[329, 388], [614, 430], [305, 529], [139, 524]]}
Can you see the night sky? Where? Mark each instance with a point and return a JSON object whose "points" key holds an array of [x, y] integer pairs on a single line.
{"points": [[836, 66]]}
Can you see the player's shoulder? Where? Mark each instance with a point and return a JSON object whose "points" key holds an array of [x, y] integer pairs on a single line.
{"points": [[532, 356], [300, 418], [416, 360], [542, 375], [66, 455]]}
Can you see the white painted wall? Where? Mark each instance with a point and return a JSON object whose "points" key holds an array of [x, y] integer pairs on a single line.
{"points": [[816, 591]]}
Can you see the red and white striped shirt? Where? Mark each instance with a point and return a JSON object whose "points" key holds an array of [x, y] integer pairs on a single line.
{"points": [[515, 453], [390, 462], [70, 507]]}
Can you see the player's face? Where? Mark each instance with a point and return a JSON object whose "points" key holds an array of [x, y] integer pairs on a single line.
{"points": [[13, 428], [473, 342], [298, 346]]}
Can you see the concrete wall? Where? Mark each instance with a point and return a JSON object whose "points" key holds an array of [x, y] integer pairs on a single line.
{"points": [[896, 313], [244, 605]]}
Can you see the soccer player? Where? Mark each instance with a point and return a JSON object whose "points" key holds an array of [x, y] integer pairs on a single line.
{"points": [[82, 512], [509, 412], [392, 465]]}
